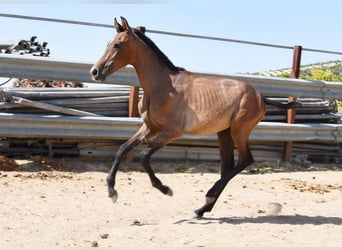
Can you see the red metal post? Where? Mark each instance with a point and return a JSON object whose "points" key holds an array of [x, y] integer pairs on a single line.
{"points": [[133, 101], [291, 113]]}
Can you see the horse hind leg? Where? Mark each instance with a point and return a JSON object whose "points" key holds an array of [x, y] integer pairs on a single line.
{"points": [[240, 138], [227, 166]]}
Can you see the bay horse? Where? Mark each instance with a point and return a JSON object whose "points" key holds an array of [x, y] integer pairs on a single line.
{"points": [[176, 102]]}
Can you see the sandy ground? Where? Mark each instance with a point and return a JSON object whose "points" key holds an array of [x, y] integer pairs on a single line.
{"points": [[44, 207]]}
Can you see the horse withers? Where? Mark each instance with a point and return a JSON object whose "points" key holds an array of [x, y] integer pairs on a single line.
{"points": [[176, 102]]}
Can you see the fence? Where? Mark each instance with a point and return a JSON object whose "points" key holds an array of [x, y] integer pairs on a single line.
{"points": [[99, 134], [273, 87]]}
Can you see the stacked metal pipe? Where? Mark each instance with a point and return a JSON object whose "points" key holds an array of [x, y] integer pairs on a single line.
{"points": [[47, 126], [113, 101]]}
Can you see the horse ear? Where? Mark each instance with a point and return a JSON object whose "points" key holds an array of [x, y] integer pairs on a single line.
{"points": [[118, 26], [125, 24]]}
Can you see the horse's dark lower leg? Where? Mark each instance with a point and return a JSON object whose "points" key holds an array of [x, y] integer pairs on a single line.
{"points": [[226, 151], [154, 146], [245, 159], [124, 148], [122, 151], [219, 186], [227, 165]]}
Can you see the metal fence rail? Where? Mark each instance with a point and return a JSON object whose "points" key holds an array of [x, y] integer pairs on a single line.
{"points": [[110, 128], [101, 136], [110, 26], [52, 69]]}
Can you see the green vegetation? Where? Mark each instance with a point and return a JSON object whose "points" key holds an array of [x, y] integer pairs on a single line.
{"points": [[185, 169], [322, 74], [329, 71]]}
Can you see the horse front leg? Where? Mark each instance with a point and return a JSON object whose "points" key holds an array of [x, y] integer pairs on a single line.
{"points": [[122, 151], [157, 143]]}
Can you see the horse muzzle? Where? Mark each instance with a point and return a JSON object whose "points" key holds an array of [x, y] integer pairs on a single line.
{"points": [[97, 74]]}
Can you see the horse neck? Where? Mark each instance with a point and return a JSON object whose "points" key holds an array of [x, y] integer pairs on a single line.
{"points": [[153, 74]]}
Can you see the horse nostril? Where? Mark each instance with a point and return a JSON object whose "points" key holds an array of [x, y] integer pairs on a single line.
{"points": [[94, 72]]}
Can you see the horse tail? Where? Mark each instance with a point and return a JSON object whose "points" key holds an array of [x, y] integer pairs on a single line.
{"points": [[281, 105]]}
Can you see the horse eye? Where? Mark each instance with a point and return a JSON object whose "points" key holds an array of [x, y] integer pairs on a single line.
{"points": [[117, 45]]}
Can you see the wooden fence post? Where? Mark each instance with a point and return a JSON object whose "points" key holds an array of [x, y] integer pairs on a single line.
{"points": [[291, 113]]}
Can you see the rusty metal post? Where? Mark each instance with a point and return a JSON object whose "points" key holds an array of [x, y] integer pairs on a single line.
{"points": [[134, 92], [133, 101], [291, 113]]}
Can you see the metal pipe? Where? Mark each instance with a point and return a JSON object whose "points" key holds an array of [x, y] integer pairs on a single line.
{"points": [[50, 107], [57, 126], [47, 68]]}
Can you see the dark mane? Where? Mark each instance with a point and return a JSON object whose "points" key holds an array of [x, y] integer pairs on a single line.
{"points": [[154, 47]]}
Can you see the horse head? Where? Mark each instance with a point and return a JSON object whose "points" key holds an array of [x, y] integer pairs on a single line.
{"points": [[117, 53]]}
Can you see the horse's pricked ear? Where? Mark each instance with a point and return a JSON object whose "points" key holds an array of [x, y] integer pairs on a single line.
{"points": [[125, 24], [118, 26]]}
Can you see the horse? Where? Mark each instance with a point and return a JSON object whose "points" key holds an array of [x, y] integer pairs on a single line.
{"points": [[175, 102]]}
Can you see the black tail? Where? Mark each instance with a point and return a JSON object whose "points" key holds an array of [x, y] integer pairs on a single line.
{"points": [[278, 104]]}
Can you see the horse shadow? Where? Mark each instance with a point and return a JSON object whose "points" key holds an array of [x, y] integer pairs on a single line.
{"points": [[296, 219]]}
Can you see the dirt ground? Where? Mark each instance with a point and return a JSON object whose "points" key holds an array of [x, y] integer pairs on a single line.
{"points": [[47, 202]]}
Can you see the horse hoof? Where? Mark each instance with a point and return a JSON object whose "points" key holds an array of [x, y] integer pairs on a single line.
{"points": [[166, 190], [169, 192], [198, 213], [113, 195]]}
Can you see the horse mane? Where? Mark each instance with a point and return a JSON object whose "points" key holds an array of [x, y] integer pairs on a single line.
{"points": [[154, 47]]}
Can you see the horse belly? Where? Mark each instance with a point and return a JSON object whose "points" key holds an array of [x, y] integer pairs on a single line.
{"points": [[198, 125], [210, 129]]}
